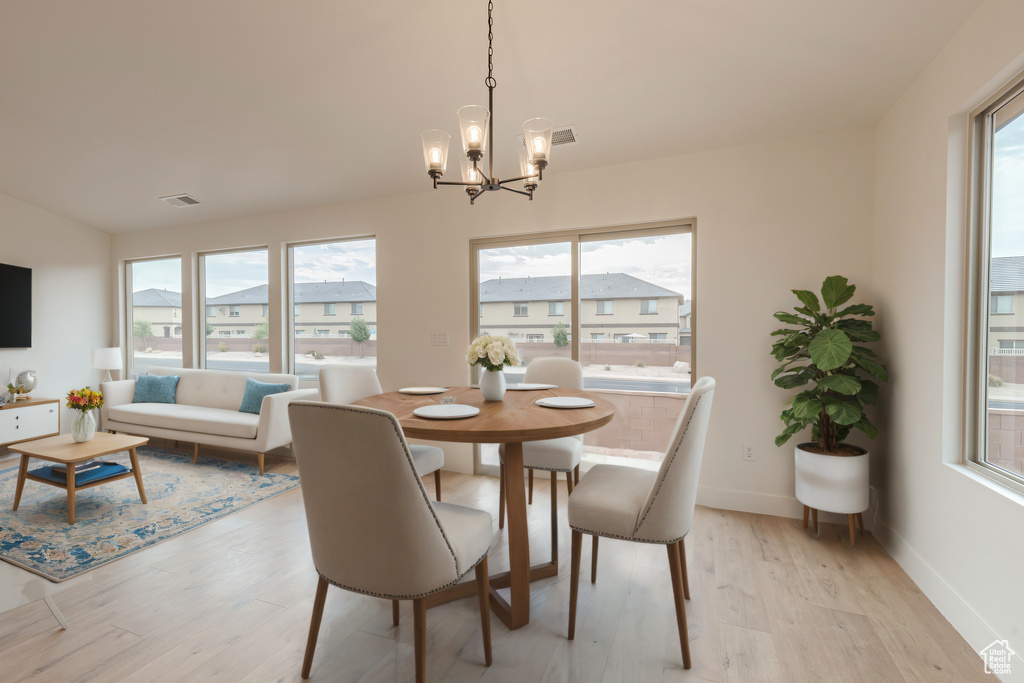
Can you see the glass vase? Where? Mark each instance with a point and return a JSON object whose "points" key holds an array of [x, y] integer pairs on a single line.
{"points": [[83, 426]]}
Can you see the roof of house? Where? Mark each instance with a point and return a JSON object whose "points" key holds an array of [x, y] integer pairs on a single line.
{"points": [[684, 309], [354, 291], [1007, 274], [156, 297], [557, 288]]}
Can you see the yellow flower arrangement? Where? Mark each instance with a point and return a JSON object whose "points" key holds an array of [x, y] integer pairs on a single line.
{"points": [[84, 399]]}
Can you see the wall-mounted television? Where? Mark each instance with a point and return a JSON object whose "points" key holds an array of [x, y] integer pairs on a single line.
{"points": [[15, 307]]}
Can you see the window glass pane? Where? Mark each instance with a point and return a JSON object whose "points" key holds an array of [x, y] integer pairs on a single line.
{"points": [[1005, 385], [237, 335], [154, 317], [517, 287], [327, 278]]}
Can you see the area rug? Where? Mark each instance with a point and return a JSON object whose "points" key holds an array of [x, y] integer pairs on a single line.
{"points": [[110, 519]]}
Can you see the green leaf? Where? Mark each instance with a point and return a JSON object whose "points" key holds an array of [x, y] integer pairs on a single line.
{"points": [[875, 369], [830, 349], [843, 411], [788, 433], [797, 379], [868, 393], [864, 425], [791, 319], [809, 299], [805, 408], [856, 309], [863, 352], [843, 384], [836, 291]]}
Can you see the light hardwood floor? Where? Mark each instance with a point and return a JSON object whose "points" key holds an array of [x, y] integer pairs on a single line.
{"points": [[231, 601]]}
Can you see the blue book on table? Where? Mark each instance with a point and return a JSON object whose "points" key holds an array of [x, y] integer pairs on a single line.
{"points": [[107, 469]]}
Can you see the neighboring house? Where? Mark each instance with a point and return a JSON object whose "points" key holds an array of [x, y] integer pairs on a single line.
{"points": [[322, 309], [685, 334], [161, 309], [1006, 304], [614, 307]]}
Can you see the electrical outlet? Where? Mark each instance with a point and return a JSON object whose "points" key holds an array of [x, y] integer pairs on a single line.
{"points": [[439, 339], [748, 453]]}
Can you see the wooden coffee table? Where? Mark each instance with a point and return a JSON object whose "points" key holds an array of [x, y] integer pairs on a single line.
{"points": [[64, 449]]}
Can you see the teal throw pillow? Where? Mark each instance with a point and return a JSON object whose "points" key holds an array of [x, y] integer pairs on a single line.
{"points": [[155, 389], [252, 401]]}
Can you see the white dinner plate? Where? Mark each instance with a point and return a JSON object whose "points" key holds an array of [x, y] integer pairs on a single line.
{"points": [[452, 411], [421, 391], [564, 402], [523, 386]]}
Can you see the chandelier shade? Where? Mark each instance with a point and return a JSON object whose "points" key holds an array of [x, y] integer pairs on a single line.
{"points": [[476, 126]]}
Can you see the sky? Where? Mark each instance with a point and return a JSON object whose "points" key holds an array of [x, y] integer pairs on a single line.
{"points": [[231, 272], [663, 261], [1008, 190]]}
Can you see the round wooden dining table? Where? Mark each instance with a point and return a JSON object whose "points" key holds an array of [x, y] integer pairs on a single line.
{"points": [[511, 421]]}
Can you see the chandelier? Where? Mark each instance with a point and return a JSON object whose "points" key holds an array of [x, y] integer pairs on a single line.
{"points": [[477, 126]]}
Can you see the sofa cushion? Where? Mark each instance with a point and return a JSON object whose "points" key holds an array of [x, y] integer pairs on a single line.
{"points": [[252, 399], [185, 418], [154, 389], [217, 388]]}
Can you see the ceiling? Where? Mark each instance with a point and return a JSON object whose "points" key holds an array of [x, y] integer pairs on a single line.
{"points": [[262, 105]]}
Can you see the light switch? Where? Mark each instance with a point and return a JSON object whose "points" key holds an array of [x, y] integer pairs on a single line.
{"points": [[439, 339]]}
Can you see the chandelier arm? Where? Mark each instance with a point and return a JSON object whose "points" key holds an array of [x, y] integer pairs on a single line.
{"points": [[512, 180], [452, 182], [528, 194]]}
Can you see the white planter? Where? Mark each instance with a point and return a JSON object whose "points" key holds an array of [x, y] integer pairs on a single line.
{"points": [[492, 385], [83, 426], [832, 483]]}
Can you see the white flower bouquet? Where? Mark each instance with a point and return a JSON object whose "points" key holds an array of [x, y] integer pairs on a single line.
{"points": [[493, 352]]}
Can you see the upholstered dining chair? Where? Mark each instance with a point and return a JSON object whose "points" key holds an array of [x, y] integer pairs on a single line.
{"points": [[372, 528], [349, 383], [552, 455], [647, 507]]}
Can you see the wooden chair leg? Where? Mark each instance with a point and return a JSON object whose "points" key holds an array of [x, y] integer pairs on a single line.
{"points": [[260, 458], [419, 620], [860, 522], [554, 518], [576, 476], [853, 531], [483, 589], [195, 454], [501, 496], [682, 564], [530, 499], [677, 594], [568, 482], [314, 626], [593, 562], [814, 518], [574, 580], [394, 612], [437, 484], [807, 511]]}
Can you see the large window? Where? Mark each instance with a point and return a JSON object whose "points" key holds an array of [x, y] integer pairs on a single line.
{"points": [[154, 314], [996, 418], [323, 275], [235, 288]]}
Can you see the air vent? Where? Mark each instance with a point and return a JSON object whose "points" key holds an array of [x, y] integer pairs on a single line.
{"points": [[562, 135], [181, 200]]}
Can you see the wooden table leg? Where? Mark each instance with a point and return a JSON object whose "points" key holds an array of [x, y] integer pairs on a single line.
{"points": [[22, 471], [518, 536], [138, 474], [71, 492]]}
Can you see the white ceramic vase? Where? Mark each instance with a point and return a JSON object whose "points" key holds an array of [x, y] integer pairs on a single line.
{"points": [[832, 483], [83, 426], [492, 385]]}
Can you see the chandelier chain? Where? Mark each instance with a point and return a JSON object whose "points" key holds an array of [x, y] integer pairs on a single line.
{"points": [[490, 82]]}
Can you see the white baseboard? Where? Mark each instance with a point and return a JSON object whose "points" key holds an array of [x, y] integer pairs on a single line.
{"points": [[964, 619], [767, 504]]}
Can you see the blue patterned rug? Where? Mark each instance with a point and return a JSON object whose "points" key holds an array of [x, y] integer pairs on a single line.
{"points": [[110, 519]]}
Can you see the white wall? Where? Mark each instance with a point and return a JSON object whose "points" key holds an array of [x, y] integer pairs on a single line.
{"points": [[958, 537], [770, 218], [71, 290]]}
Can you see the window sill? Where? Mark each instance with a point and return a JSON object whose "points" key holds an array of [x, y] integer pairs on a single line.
{"points": [[1004, 486]]}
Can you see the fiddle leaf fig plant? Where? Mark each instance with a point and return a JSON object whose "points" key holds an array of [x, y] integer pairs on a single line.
{"points": [[823, 348]]}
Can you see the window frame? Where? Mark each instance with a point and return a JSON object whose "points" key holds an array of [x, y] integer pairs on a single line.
{"points": [[524, 306], [127, 266], [356, 308], [558, 307], [328, 309], [648, 302], [978, 295], [599, 304]]}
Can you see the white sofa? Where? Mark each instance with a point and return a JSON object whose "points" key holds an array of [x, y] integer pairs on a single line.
{"points": [[205, 411]]}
